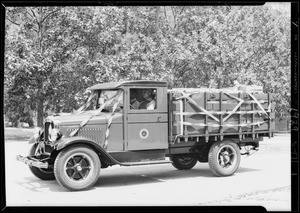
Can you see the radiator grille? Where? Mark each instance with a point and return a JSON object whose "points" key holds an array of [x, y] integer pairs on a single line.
{"points": [[88, 132]]}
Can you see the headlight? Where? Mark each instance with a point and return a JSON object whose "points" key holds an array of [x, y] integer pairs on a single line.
{"points": [[54, 135], [37, 132]]}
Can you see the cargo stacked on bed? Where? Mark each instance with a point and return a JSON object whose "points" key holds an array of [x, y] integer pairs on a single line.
{"points": [[204, 112]]}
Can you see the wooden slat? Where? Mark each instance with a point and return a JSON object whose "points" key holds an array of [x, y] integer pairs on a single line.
{"points": [[240, 120], [269, 113], [206, 118], [221, 117], [253, 127], [185, 132]]}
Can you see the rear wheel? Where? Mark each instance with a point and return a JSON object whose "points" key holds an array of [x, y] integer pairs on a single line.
{"points": [[183, 161], [43, 174], [77, 167], [224, 158]]}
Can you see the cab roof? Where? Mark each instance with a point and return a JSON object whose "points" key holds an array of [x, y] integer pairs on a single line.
{"points": [[115, 85]]}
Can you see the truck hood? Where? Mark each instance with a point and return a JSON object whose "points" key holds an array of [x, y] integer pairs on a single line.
{"points": [[68, 119]]}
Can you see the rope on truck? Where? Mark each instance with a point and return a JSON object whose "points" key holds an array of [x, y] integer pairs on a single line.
{"points": [[186, 95], [97, 112], [241, 101], [108, 125], [224, 125], [222, 112], [259, 105]]}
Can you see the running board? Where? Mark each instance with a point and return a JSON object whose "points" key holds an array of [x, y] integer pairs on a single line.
{"points": [[145, 163]]}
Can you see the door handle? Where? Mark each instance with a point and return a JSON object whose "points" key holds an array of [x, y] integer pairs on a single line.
{"points": [[158, 119]]}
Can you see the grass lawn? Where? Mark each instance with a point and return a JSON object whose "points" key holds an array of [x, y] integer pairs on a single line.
{"points": [[17, 134]]}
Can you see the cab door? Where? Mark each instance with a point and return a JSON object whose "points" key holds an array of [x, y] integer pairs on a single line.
{"points": [[147, 128]]}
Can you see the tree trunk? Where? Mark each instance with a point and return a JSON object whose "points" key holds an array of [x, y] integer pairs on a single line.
{"points": [[40, 106], [30, 122]]}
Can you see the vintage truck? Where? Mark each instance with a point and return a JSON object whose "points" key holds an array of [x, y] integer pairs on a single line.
{"points": [[183, 126]]}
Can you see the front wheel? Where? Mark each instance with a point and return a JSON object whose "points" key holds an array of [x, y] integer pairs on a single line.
{"points": [[183, 161], [77, 168], [43, 174], [224, 158]]}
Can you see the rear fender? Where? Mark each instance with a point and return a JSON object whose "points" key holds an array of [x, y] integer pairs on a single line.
{"points": [[82, 140]]}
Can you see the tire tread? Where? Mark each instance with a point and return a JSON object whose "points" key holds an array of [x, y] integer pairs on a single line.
{"points": [[212, 156], [59, 177]]}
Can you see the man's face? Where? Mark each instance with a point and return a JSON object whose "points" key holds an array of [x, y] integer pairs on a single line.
{"points": [[145, 93]]}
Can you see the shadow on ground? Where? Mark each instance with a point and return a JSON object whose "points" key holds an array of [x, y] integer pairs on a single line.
{"points": [[131, 176]]}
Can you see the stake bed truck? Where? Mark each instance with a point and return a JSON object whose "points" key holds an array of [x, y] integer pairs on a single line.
{"points": [[143, 122]]}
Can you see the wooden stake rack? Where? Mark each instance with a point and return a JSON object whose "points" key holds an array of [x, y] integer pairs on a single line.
{"points": [[219, 119]]}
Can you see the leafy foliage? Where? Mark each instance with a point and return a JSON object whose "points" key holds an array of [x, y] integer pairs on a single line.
{"points": [[52, 54]]}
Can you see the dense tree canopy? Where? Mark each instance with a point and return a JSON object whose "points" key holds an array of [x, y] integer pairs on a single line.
{"points": [[52, 54]]}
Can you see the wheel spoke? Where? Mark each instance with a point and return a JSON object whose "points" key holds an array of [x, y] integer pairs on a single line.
{"points": [[80, 174], [74, 162], [86, 167], [70, 164], [70, 168], [221, 161], [74, 173], [81, 160]]}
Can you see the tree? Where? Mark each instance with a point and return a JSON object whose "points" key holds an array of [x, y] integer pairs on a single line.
{"points": [[54, 53], [43, 40]]}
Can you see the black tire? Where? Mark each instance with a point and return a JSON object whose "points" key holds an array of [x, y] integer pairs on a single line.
{"points": [[224, 158], [77, 167], [183, 161], [43, 174]]}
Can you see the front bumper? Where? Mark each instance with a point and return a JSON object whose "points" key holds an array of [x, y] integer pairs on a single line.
{"points": [[33, 162]]}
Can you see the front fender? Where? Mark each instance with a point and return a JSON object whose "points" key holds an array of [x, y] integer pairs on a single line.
{"points": [[82, 140], [32, 140]]}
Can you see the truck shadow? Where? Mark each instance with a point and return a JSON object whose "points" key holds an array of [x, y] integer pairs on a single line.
{"points": [[128, 177]]}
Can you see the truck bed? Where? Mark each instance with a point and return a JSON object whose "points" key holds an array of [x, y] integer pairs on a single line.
{"points": [[213, 112]]}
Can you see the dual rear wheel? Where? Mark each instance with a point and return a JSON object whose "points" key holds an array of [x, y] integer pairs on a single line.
{"points": [[223, 159]]}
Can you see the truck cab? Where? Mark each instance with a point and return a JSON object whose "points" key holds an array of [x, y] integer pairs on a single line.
{"points": [[145, 128]]}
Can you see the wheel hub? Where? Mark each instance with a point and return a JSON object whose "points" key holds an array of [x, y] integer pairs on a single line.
{"points": [[79, 168], [226, 157]]}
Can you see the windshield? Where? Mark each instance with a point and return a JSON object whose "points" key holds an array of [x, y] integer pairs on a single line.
{"points": [[104, 101]]}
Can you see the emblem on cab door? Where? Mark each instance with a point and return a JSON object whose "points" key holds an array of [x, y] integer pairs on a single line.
{"points": [[144, 133]]}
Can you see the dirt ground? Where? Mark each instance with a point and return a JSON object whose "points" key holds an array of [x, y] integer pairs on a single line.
{"points": [[263, 179]]}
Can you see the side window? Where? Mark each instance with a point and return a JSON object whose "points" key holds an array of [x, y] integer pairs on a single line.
{"points": [[143, 98]]}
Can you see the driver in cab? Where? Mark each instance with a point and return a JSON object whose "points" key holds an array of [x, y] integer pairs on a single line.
{"points": [[148, 101]]}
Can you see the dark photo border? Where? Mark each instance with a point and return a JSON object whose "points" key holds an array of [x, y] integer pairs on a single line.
{"points": [[294, 111]]}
